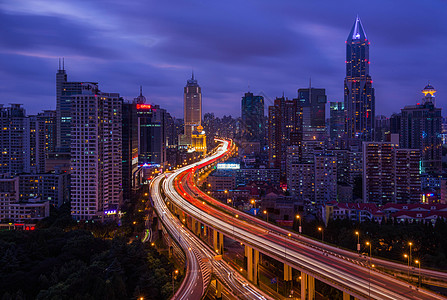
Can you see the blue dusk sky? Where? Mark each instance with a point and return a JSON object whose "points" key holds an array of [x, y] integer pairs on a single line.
{"points": [[270, 46]]}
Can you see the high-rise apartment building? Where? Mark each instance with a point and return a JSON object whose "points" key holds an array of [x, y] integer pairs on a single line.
{"points": [[337, 122], [390, 174], [192, 108], [359, 94], [252, 116], [407, 176], [378, 172], [48, 119], [421, 128], [313, 102], [11, 139], [284, 129], [23, 141], [325, 178], [96, 155]]}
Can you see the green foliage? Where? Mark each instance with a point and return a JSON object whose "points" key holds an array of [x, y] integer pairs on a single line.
{"points": [[53, 264]]}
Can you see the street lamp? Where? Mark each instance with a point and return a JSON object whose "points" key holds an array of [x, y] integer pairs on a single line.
{"points": [[369, 244], [266, 213], [410, 244], [419, 277], [358, 241], [322, 233], [408, 257], [253, 202], [299, 218], [370, 266], [176, 272]]}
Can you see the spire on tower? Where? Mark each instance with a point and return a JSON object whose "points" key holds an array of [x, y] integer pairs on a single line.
{"points": [[357, 31], [141, 91]]}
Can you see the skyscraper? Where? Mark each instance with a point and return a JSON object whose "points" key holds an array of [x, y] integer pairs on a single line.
{"points": [[64, 91], [284, 129], [359, 93], [152, 134], [421, 128], [192, 107], [252, 113], [96, 155], [130, 148], [313, 101]]}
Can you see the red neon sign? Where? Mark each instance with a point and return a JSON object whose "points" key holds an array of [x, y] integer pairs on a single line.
{"points": [[144, 106]]}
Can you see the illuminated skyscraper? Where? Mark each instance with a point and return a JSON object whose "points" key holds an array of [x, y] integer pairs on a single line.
{"points": [[192, 107], [359, 93], [421, 128]]}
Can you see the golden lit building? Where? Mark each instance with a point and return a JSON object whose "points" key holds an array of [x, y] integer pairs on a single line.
{"points": [[198, 139]]}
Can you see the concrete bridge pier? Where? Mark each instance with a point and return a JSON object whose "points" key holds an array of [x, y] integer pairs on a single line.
{"points": [[218, 242], [307, 287], [252, 264]]}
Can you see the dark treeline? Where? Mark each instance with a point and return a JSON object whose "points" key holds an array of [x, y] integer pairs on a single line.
{"points": [[53, 264]]}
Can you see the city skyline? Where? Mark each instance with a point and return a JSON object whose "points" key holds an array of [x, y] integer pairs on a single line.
{"points": [[227, 53]]}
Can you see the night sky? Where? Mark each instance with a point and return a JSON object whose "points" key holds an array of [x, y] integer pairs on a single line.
{"points": [[271, 46]]}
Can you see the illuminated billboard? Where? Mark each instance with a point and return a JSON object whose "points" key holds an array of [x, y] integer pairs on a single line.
{"points": [[228, 166]]}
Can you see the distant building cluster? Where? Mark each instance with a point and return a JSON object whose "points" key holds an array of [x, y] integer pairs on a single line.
{"points": [[97, 149]]}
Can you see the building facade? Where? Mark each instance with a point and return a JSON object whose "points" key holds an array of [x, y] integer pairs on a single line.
{"points": [[313, 102], [64, 91], [96, 155], [252, 117], [192, 108], [358, 91], [390, 174], [421, 128]]}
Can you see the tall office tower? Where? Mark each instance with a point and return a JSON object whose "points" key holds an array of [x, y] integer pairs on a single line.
{"points": [[152, 135], [390, 174], [130, 148], [252, 114], [192, 107], [96, 155], [421, 128], [359, 93], [313, 102], [64, 91], [284, 129], [12, 143], [337, 122]]}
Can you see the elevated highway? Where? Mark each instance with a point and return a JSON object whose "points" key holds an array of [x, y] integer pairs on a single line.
{"points": [[313, 259], [200, 258]]}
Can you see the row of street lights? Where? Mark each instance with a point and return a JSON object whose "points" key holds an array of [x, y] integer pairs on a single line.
{"points": [[408, 257]]}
